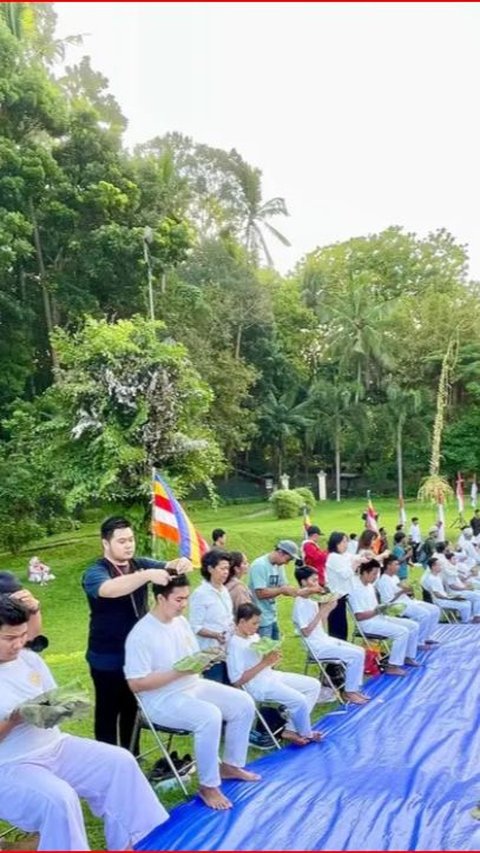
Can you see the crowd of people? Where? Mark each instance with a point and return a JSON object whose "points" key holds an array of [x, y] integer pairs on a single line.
{"points": [[135, 646]]}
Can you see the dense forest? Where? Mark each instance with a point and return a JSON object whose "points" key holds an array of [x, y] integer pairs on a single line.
{"points": [[143, 323]]}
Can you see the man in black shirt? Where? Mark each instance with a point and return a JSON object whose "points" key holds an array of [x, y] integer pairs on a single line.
{"points": [[116, 589], [475, 523]]}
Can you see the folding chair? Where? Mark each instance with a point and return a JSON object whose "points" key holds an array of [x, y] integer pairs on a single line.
{"points": [[451, 615], [311, 659], [367, 636], [272, 734], [143, 721]]}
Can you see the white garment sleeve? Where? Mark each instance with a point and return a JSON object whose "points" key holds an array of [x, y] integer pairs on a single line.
{"points": [[235, 661], [198, 611], [138, 657]]}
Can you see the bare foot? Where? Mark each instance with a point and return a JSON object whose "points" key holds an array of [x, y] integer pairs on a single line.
{"points": [[316, 737], [476, 620], [355, 697], [294, 737], [391, 669], [213, 798], [228, 771], [412, 662]]}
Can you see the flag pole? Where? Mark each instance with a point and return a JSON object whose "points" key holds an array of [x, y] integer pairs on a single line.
{"points": [[153, 546]]}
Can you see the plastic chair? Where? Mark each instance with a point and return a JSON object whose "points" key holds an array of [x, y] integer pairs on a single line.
{"points": [[143, 721]]}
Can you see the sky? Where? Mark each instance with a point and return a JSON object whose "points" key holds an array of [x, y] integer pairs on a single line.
{"points": [[361, 115]]}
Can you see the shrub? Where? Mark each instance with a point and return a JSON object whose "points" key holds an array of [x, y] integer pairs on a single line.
{"points": [[287, 503], [307, 496], [15, 534]]}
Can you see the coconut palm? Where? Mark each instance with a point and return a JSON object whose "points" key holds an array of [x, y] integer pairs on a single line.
{"points": [[255, 213]]}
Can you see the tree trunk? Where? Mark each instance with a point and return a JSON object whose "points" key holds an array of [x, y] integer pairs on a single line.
{"points": [[238, 342], [337, 464], [42, 275]]}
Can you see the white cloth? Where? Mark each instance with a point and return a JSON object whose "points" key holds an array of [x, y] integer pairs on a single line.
{"points": [[427, 615], [434, 584], [403, 632], [298, 693], [22, 679], [201, 709], [415, 534], [323, 646], [154, 646], [339, 572], [352, 546], [212, 610], [451, 579], [41, 794]]}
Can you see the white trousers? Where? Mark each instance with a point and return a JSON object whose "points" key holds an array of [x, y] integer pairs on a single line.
{"points": [[470, 595], [201, 710], [42, 795], [298, 693], [352, 656], [426, 615], [464, 608], [403, 632]]}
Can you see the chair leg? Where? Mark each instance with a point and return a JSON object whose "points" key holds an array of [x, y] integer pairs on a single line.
{"points": [[166, 755], [267, 728], [136, 731]]}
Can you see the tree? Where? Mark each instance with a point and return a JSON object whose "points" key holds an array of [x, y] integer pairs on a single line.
{"points": [[283, 419]]}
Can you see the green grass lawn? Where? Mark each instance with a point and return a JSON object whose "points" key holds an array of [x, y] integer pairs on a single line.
{"points": [[250, 527]]}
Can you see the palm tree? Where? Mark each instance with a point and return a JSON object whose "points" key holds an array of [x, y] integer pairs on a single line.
{"points": [[402, 404], [283, 416], [255, 213]]}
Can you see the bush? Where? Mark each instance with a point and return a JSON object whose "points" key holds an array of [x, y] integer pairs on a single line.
{"points": [[62, 524], [307, 496], [15, 534], [287, 503]]}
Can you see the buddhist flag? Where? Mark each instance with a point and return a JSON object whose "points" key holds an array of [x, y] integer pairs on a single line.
{"points": [[402, 515], [306, 522], [170, 521], [371, 519], [459, 494], [474, 493]]}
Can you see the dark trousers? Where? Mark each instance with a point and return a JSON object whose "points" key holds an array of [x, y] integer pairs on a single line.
{"points": [[218, 672], [115, 708], [337, 621]]}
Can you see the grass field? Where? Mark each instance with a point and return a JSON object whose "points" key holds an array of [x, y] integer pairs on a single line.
{"points": [[250, 527]]}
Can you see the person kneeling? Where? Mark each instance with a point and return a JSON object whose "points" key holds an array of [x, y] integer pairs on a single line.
{"points": [[308, 618], [403, 632], [298, 693], [182, 699], [43, 772]]}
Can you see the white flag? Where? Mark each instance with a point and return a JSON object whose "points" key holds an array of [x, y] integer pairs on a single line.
{"points": [[473, 494]]}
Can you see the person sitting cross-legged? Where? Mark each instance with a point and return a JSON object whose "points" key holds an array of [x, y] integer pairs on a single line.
{"points": [[393, 591], [431, 582], [44, 772], [182, 699], [308, 617], [252, 669], [403, 632]]}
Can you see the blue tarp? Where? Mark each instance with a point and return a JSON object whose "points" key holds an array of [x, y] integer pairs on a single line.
{"points": [[400, 773]]}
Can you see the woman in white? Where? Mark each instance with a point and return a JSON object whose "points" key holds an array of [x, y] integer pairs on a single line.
{"points": [[403, 632], [246, 667], [392, 591], [339, 575], [211, 609], [308, 618]]}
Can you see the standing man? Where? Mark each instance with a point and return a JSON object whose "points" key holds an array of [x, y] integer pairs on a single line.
{"points": [[116, 589], [219, 539], [415, 538], [267, 581], [475, 523]]}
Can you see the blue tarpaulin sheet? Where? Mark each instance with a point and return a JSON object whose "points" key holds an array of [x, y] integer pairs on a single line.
{"points": [[400, 773]]}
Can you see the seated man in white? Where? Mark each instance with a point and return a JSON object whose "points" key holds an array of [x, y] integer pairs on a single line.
{"points": [[248, 668], [453, 583], [431, 581], [403, 632], [309, 617], [43, 772], [184, 699], [469, 551], [392, 591]]}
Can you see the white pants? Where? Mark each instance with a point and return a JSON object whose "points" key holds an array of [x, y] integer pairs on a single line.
{"points": [[201, 710], [426, 615], [351, 655], [403, 632], [464, 608], [469, 595], [42, 795], [298, 693]]}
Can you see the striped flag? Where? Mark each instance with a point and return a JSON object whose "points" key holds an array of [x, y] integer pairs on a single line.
{"points": [[440, 519], [306, 522], [170, 521], [371, 519], [402, 515], [459, 494], [474, 492]]}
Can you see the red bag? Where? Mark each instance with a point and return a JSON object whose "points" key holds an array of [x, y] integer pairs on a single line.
{"points": [[371, 662]]}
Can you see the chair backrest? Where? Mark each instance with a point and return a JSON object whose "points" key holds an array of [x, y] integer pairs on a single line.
{"points": [[427, 596]]}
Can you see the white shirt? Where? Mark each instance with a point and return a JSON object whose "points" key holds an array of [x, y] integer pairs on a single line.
{"points": [[154, 646], [339, 573], [241, 657], [212, 609], [304, 611], [388, 586], [22, 679], [352, 546], [362, 597], [415, 534], [432, 583]]}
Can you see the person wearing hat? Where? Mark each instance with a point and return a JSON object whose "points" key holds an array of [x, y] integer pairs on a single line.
{"points": [[268, 580], [312, 554]]}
